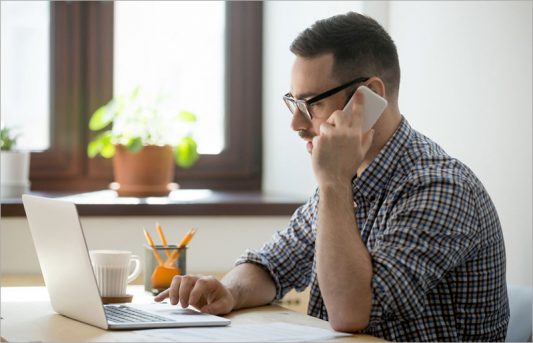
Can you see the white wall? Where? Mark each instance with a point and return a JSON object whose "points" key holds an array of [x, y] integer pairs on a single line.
{"points": [[466, 83], [217, 244]]}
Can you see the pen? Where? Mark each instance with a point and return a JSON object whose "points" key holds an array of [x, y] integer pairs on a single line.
{"points": [[163, 239], [151, 244], [184, 242]]}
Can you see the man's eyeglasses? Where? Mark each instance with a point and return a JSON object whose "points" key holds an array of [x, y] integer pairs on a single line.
{"points": [[304, 105]]}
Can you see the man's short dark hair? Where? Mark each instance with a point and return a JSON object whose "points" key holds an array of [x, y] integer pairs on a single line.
{"points": [[360, 47]]}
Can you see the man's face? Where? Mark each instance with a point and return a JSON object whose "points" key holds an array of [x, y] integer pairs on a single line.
{"points": [[310, 77]]}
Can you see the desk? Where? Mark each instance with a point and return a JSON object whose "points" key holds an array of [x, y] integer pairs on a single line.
{"points": [[28, 316]]}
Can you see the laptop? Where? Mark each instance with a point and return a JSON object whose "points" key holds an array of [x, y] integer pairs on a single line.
{"points": [[68, 275]]}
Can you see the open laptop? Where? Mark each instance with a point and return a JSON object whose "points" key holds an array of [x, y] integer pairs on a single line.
{"points": [[69, 277]]}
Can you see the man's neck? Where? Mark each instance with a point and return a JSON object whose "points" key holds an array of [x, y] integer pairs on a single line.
{"points": [[384, 130]]}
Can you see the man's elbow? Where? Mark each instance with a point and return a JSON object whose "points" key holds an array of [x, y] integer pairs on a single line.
{"points": [[349, 323]]}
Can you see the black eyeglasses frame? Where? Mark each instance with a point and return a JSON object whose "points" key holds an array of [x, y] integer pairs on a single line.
{"points": [[302, 105]]}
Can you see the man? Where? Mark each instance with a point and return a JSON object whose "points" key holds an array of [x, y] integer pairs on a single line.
{"points": [[400, 240]]}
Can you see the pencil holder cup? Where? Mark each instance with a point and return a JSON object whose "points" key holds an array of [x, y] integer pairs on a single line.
{"points": [[158, 278]]}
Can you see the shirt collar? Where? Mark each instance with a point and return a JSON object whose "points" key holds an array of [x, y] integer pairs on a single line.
{"points": [[375, 178]]}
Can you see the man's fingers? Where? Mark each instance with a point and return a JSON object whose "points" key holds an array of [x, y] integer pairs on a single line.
{"points": [[352, 114], [201, 292], [220, 306], [339, 118], [174, 290], [187, 284], [198, 292], [218, 301], [325, 128], [162, 296]]}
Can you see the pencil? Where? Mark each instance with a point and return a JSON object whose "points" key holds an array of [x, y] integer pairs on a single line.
{"points": [[163, 239], [184, 242], [187, 238], [151, 244]]}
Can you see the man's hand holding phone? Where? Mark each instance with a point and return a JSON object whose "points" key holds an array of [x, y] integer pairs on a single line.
{"points": [[345, 138]]}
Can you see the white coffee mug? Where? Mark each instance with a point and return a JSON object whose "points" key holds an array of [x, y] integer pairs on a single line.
{"points": [[112, 271]]}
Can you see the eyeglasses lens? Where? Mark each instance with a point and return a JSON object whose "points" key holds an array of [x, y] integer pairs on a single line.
{"points": [[294, 105]]}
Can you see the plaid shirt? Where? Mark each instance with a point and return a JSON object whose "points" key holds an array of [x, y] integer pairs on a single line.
{"points": [[435, 240]]}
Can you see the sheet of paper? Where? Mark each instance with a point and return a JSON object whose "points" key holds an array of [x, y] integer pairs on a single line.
{"points": [[270, 332]]}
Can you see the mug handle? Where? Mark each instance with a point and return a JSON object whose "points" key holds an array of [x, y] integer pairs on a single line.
{"points": [[136, 270]]}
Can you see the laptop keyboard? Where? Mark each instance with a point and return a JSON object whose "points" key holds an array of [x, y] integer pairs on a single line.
{"points": [[126, 314]]}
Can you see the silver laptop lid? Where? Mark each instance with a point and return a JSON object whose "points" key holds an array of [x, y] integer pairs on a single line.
{"points": [[64, 259]]}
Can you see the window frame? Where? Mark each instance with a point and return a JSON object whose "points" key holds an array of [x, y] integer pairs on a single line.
{"points": [[82, 80]]}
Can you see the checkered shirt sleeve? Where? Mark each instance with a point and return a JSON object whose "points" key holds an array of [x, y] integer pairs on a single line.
{"points": [[288, 256]]}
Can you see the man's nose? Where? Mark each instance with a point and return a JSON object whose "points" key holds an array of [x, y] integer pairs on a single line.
{"points": [[299, 121]]}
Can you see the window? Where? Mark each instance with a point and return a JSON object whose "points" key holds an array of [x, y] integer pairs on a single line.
{"points": [[25, 51], [82, 74], [154, 47]]}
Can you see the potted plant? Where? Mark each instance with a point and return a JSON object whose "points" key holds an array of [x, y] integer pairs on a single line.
{"points": [[145, 141], [14, 164]]}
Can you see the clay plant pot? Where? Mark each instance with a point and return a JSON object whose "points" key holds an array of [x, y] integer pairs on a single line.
{"points": [[149, 172]]}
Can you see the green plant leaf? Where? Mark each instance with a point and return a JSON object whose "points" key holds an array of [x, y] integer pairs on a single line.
{"points": [[187, 116], [186, 152], [94, 148], [7, 139], [108, 150], [138, 121], [103, 116], [135, 144], [100, 145]]}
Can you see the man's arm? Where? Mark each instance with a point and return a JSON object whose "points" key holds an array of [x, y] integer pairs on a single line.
{"points": [[250, 285], [344, 266]]}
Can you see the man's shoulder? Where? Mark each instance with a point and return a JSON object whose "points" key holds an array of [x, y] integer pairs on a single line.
{"points": [[426, 163]]}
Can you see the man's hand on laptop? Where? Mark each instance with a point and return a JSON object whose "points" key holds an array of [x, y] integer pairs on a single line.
{"points": [[202, 292]]}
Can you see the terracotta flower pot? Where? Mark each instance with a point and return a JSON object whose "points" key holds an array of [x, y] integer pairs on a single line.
{"points": [[149, 172]]}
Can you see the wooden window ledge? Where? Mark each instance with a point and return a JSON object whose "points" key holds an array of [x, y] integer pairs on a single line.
{"points": [[186, 202]]}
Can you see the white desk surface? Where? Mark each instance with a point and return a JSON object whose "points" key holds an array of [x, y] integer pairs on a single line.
{"points": [[28, 316]]}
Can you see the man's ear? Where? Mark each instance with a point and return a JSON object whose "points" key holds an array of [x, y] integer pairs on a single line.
{"points": [[377, 86]]}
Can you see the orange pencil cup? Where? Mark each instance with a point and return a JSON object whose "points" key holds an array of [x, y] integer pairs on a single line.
{"points": [[158, 278]]}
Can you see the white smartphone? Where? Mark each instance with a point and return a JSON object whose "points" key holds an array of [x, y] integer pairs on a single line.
{"points": [[374, 105]]}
